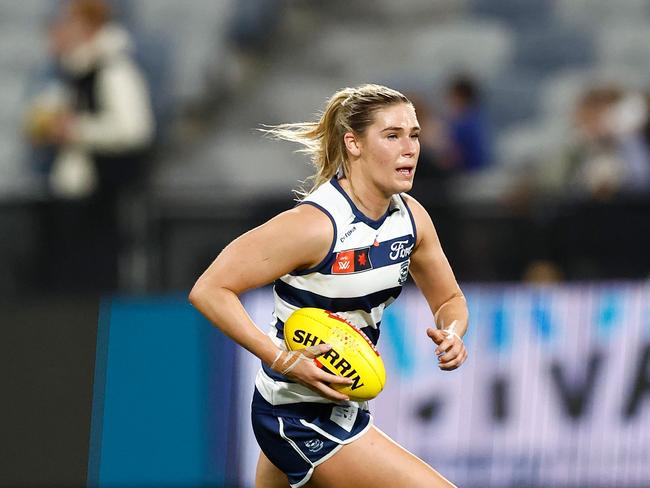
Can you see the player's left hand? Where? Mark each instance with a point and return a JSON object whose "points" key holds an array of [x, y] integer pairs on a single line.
{"points": [[451, 350]]}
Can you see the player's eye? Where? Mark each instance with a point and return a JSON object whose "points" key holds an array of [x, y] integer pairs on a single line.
{"points": [[392, 136]]}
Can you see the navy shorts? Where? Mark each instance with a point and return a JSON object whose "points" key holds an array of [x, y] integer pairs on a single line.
{"points": [[298, 437]]}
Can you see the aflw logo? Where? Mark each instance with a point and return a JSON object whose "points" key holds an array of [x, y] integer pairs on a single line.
{"points": [[352, 261], [344, 265]]}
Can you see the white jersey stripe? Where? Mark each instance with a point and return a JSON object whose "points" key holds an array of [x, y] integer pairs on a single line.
{"points": [[282, 309], [345, 286]]}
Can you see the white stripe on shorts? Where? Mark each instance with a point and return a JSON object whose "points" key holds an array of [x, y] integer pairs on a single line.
{"points": [[302, 455]]}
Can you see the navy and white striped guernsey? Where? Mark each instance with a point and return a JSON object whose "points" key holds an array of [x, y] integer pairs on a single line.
{"points": [[361, 275]]}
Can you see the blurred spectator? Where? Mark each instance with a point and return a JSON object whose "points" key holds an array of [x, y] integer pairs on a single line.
{"points": [[431, 184], [609, 153], [542, 272], [251, 29], [254, 22], [468, 145], [99, 123], [431, 137]]}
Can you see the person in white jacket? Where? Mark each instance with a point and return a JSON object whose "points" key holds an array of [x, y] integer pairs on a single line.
{"points": [[100, 126], [104, 109]]}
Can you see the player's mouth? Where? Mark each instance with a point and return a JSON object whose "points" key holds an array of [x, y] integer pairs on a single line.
{"points": [[406, 171]]}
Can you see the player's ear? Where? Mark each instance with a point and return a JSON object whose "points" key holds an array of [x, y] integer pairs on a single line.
{"points": [[352, 143]]}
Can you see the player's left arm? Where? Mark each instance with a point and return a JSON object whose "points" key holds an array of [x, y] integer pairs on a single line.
{"points": [[434, 277]]}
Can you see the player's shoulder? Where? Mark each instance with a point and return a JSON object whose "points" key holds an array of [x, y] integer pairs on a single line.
{"points": [[410, 200], [416, 208], [306, 222], [421, 217], [309, 213]]}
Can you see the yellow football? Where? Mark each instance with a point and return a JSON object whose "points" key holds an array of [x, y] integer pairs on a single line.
{"points": [[353, 355]]}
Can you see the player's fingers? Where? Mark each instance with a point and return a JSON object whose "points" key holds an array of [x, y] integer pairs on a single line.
{"points": [[319, 375], [330, 393], [447, 358], [326, 377], [452, 364], [445, 362], [444, 346], [452, 352], [463, 357], [336, 380], [317, 350], [436, 335], [456, 351]]}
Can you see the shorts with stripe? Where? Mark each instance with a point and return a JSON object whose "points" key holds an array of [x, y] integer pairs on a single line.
{"points": [[298, 437]]}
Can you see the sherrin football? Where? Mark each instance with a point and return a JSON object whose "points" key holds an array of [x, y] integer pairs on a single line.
{"points": [[352, 356]]}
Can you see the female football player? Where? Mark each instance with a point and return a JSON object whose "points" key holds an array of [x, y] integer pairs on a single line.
{"points": [[346, 247]]}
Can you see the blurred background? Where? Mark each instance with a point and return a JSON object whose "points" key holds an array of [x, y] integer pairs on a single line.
{"points": [[130, 156]]}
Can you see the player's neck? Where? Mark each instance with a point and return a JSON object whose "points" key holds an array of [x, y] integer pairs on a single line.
{"points": [[369, 201]]}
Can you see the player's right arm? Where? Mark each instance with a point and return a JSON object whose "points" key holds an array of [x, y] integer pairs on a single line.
{"points": [[296, 239]]}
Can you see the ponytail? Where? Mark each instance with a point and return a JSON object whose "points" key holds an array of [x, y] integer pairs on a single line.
{"points": [[348, 110]]}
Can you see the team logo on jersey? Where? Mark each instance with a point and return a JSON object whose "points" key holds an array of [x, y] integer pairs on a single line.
{"points": [[314, 445], [352, 261], [403, 272]]}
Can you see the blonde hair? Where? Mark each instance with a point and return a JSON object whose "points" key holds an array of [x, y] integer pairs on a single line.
{"points": [[348, 110]]}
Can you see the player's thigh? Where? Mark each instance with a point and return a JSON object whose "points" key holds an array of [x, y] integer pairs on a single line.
{"points": [[376, 461], [268, 475]]}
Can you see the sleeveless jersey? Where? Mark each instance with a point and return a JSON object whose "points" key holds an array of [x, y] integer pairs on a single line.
{"points": [[361, 275]]}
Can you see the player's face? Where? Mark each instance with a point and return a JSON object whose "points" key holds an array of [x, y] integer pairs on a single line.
{"points": [[390, 148]]}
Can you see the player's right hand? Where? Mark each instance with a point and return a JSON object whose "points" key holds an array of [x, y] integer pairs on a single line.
{"points": [[299, 366]]}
